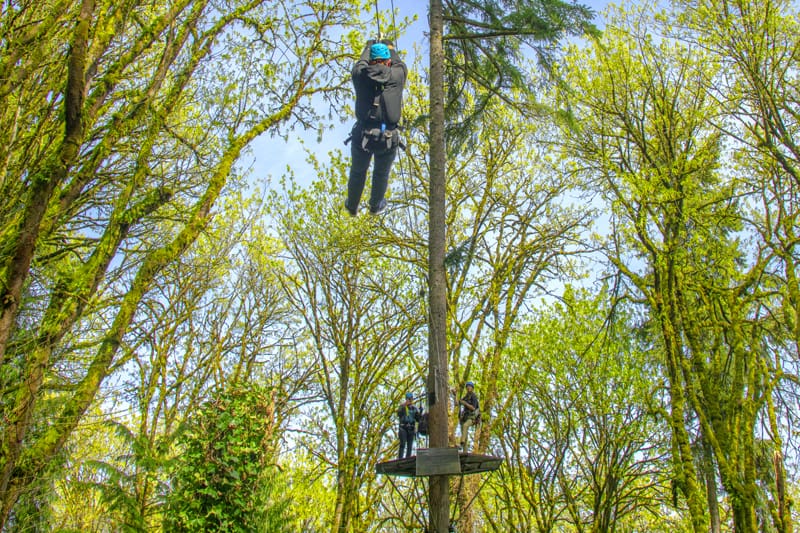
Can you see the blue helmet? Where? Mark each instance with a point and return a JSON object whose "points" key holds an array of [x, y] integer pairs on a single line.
{"points": [[470, 384], [379, 51], [409, 396]]}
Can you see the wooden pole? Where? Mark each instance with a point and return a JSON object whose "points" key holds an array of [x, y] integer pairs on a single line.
{"points": [[439, 494]]}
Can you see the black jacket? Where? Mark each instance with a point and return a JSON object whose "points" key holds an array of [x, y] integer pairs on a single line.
{"points": [[386, 82], [472, 399]]}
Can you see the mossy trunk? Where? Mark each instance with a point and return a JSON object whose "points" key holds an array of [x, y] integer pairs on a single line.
{"points": [[16, 269], [710, 478], [666, 308]]}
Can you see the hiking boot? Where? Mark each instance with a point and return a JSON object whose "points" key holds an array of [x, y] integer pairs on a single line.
{"points": [[380, 208], [353, 212]]}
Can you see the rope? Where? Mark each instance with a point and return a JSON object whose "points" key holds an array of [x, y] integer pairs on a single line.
{"points": [[394, 25], [404, 168], [378, 19], [406, 188]]}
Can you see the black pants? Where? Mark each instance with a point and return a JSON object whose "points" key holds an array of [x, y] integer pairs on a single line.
{"points": [[406, 440], [358, 172]]}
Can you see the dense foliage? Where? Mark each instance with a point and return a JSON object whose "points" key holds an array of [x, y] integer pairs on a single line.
{"points": [[189, 345], [224, 479]]}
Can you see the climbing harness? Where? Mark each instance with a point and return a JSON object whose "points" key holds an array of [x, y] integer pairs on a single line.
{"points": [[380, 138], [377, 138]]}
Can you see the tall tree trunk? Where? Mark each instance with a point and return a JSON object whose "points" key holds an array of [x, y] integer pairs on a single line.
{"points": [[683, 457], [439, 497], [784, 522], [782, 516], [710, 477], [15, 271], [465, 500]]}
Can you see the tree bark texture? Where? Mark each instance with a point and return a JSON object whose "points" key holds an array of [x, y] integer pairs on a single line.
{"points": [[101, 152], [439, 497], [16, 271]]}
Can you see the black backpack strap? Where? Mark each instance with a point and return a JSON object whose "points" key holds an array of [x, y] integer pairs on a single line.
{"points": [[376, 112]]}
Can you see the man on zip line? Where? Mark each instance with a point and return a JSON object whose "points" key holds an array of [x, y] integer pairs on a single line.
{"points": [[379, 77]]}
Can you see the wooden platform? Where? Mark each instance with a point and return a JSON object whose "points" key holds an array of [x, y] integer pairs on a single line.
{"points": [[439, 461]]}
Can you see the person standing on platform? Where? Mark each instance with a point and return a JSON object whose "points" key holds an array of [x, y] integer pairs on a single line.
{"points": [[470, 411], [407, 416]]}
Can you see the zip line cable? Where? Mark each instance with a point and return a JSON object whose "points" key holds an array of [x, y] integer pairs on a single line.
{"points": [[378, 22], [396, 46], [378, 19], [394, 25]]}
